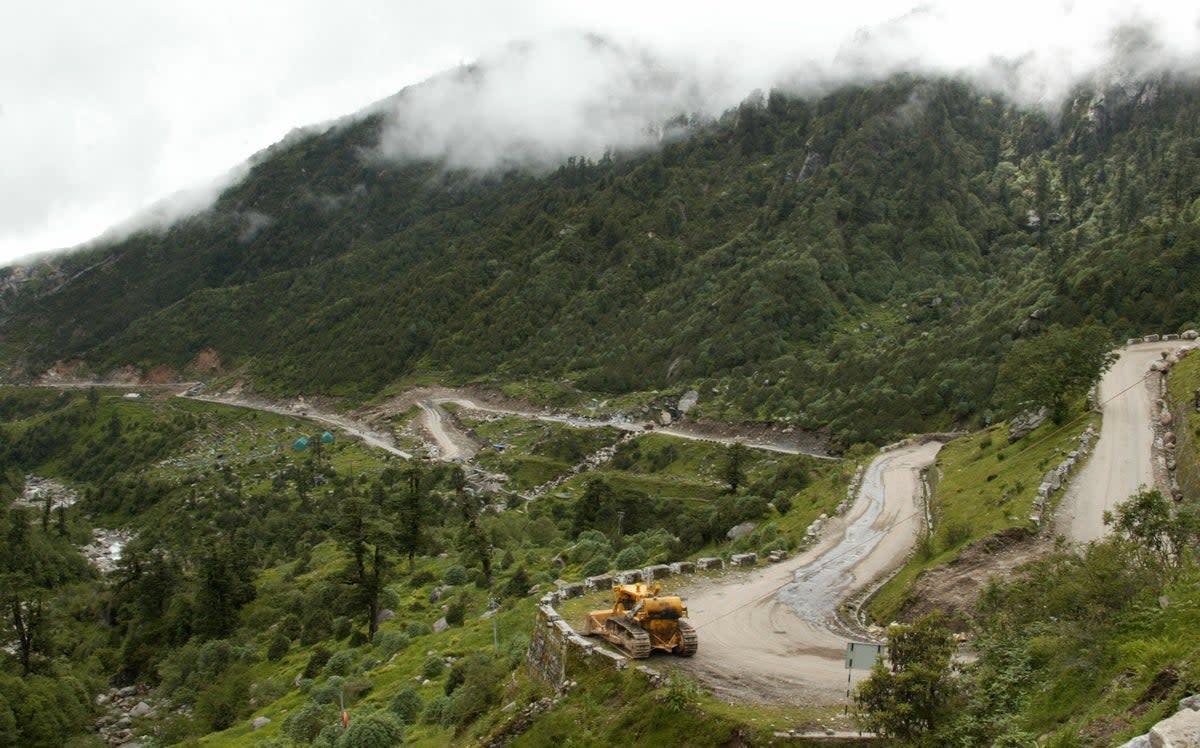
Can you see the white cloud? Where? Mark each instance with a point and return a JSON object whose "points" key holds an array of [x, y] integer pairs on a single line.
{"points": [[109, 106]]}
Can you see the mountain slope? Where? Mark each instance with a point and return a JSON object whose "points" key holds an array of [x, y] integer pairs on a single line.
{"points": [[859, 262]]}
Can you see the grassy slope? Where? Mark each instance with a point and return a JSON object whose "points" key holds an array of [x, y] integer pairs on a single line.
{"points": [[982, 485]]}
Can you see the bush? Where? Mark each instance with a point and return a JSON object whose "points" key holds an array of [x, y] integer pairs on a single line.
{"points": [[455, 613], [518, 584], [340, 627], [783, 504], [389, 643], [631, 557], [316, 662], [586, 550], [223, 701], [597, 565], [456, 575], [317, 625], [278, 647], [291, 626], [433, 667], [406, 704], [304, 724], [379, 729], [358, 637], [416, 628], [421, 578], [340, 663], [682, 692], [434, 710]]}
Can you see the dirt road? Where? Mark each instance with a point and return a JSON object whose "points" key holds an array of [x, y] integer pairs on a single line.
{"points": [[765, 634], [452, 444], [1121, 462], [349, 426]]}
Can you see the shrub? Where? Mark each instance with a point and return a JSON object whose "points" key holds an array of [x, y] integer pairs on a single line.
{"points": [[304, 724], [434, 710], [329, 692], [417, 628], [682, 692], [317, 625], [390, 642], [340, 627], [586, 550], [518, 584], [406, 704], [340, 663], [291, 626], [783, 504], [379, 729], [433, 667], [631, 557], [597, 565], [421, 578], [316, 662], [455, 613], [456, 575], [278, 647]]}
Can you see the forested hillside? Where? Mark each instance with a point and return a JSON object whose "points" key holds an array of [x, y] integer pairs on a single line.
{"points": [[860, 262]]}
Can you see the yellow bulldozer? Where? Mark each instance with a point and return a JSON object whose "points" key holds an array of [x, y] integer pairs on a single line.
{"points": [[641, 621]]}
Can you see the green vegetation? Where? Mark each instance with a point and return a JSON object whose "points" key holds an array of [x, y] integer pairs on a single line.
{"points": [[262, 581], [1082, 649], [981, 485], [899, 257], [860, 263]]}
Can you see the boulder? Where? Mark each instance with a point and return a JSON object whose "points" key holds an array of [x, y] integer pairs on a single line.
{"points": [[709, 563], [141, 709], [575, 589], [1166, 418], [688, 401], [1190, 702], [384, 615], [440, 625], [683, 567], [1190, 335], [738, 531], [260, 722], [776, 556], [1151, 339], [1171, 336], [1022, 423], [1141, 741], [1181, 730]]}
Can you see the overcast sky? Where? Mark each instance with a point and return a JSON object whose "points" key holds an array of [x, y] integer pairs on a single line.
{"points": [[108, 107]]}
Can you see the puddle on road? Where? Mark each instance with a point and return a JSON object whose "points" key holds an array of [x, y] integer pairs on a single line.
{"points": [[818, 587]]}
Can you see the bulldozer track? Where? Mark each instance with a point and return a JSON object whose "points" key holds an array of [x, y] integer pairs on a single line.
{"points": [[634, 641], [691, 642]]}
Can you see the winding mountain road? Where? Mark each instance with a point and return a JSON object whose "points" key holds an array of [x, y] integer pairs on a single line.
{"points": [[1121, 463], [765, 634]]}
